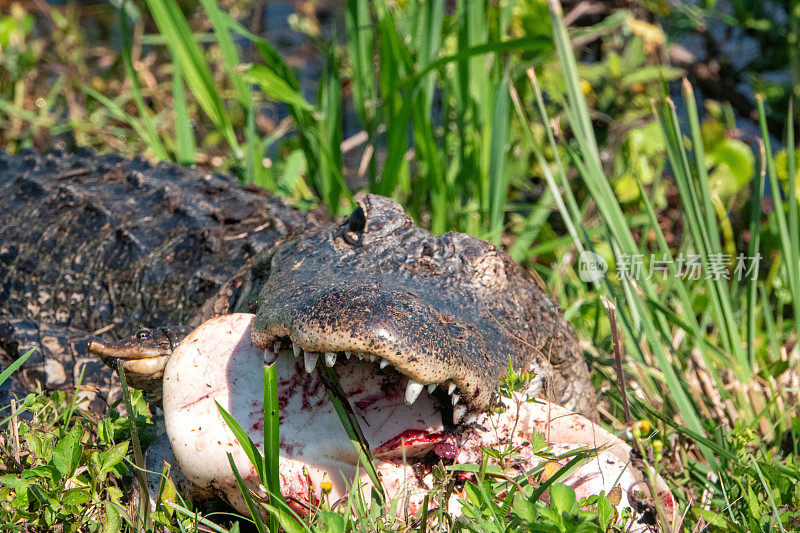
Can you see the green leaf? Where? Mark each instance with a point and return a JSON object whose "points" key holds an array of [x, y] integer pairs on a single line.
{"points": [[734, 165], [562, 497], [606, 512], [110, 458], [67, 455], [524, 508], [76, 497], [112, 522]]}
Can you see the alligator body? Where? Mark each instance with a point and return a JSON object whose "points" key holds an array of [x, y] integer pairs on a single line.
{"points": [[420, 328], [100, 244], [103, 245]]}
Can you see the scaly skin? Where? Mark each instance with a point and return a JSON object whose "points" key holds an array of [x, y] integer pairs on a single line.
{"points": [[439, 309], [103, 243]]}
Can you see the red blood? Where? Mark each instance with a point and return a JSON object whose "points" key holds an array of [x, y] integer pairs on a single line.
{"points": [[447, 448], [409, 438]]}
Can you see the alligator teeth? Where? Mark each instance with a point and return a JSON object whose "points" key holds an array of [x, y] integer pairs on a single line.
{"points": [[454, 398], [269, 357], [330, 358], [311, 361], [431, 388], [471, 419], [451, 388], [372, 357], [458, 413], [412, 391], [348, 354], [384, 363], [276, 347], [297, 350]]}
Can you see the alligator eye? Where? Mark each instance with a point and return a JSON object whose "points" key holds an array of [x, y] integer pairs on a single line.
{"points": [[143, 334], [355, 225], [357, 220]]}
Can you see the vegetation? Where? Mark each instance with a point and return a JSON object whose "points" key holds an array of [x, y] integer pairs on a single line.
{"points": [[477, 117]]}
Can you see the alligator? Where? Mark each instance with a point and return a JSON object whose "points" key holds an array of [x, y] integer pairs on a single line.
{"points": [[101, 245]]}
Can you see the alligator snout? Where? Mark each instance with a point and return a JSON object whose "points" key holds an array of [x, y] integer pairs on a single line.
{"points": [[388, 327]]}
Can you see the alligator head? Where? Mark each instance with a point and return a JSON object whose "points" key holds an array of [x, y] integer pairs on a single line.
{"points": [[451, 310]]}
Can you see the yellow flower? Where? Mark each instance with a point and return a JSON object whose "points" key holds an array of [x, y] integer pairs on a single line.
{"points": [[326, 486], [586, 87]]}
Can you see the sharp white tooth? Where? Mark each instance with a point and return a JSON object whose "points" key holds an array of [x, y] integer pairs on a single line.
{"points": [[330, 358], [372, 357], [360, 355], [384, 363], [451, 388], [276, 347], [311, 361], [458, 413], [269, 357], [348, 354], [431, 388], [454, 398], [297, 350], [412, 391], [471, 419]]}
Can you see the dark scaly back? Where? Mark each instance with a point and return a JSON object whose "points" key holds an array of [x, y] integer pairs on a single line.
{"points": [[94, 242], [103, 244]]}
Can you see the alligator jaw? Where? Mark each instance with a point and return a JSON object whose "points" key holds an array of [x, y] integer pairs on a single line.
{"points": [[446, 393], [144, 355], [218, 364]]}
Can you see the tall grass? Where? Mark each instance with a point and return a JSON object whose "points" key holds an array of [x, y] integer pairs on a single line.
{"points": [[663, 324]]}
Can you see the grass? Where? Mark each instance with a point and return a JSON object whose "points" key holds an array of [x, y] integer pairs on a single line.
{"points": [[479, 118]]}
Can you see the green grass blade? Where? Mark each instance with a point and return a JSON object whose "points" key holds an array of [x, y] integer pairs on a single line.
{"points": [[138, 457], [179, 38], [13, 367], [271, 437], [790, 251], [184, 136], [351, 426], [329, 103], [791, 196], [498, 150], [249, 447], [255, 512], [359, 46], [149, 127], [754, 248]]}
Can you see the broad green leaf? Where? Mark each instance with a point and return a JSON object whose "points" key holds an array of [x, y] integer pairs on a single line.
{"points": [[67, 455], [112, 522], [606, 512], [733, 165], [562, 497]]}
